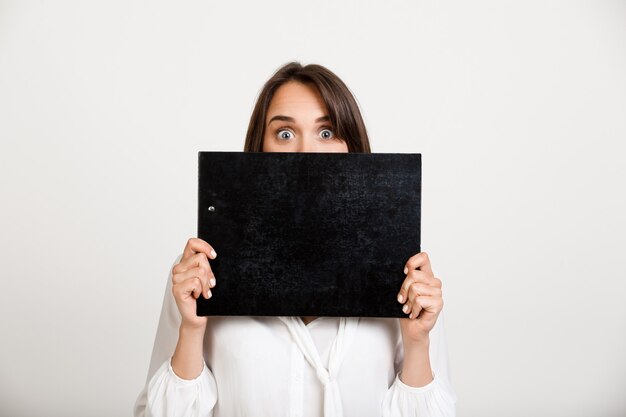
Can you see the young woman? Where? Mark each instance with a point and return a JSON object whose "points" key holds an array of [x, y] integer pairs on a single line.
{"points": [[298, 366]]}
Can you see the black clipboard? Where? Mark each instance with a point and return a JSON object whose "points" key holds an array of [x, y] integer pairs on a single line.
{"points": [[308, 234]]}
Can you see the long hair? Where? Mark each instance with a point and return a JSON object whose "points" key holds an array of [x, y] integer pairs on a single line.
{"points": [[343, 110]]}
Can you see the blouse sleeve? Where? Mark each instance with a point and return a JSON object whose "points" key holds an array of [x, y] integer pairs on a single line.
{"points": [[165, 393], [437, 398]]}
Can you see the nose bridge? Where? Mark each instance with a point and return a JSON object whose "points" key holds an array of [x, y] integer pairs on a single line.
{"points": [[308, 143]]}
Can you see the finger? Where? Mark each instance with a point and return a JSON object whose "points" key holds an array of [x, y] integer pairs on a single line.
{"points": [[199, 288], [417, 289], [431, 306], [413, 276], [436, 282], [190, 287], [406, 308], [198, 260], [195, 245], [199, 273], [411, 308], [423, 276], [416, 309], [421, 261]]}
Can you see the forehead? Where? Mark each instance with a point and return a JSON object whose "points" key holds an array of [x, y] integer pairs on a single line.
{"points": [[296, 99]]}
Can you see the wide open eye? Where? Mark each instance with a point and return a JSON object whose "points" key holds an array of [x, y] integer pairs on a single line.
{"points": [[284, 134], [326, 134]]}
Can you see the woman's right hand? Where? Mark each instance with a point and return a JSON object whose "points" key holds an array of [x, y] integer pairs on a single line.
{"points": [[191, 277]]}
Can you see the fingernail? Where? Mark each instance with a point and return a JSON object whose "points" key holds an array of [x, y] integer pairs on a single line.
{"points": [[210, 294], [405, 270], [400, 298], [212, 282], [213, 254], [405, 308]]}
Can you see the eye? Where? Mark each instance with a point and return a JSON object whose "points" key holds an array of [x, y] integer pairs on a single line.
{"points": [[284, 134], [326, 134]]}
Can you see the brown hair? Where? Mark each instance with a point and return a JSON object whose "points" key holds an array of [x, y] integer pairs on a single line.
{"points": [[343, 110]]}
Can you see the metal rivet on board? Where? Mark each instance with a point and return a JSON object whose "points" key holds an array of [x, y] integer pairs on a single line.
{"points": [[211, 208]]}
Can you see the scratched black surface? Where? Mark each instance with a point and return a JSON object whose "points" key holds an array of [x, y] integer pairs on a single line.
{"points": [[308, 234]]}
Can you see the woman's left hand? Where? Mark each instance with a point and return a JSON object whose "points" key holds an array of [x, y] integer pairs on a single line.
{"points": [[421, 295]]}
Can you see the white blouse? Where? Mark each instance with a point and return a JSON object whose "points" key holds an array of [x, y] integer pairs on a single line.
{"points": [[278, 366]]}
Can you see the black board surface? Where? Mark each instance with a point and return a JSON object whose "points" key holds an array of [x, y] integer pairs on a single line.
{"points": [[308, 234]]}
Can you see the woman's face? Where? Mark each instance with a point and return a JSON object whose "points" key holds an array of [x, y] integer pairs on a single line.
{"points": [[297, 121]]}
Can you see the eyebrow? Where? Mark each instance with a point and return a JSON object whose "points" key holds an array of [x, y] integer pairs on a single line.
{"points": [[291, 119]]}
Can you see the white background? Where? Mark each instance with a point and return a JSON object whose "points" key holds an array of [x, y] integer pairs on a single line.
{"points": [[519, 111]]}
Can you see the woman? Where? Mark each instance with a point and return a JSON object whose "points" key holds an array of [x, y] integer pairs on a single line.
{"points": [[298, 366]]}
